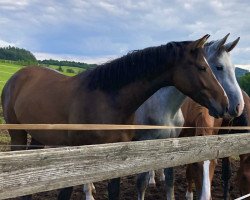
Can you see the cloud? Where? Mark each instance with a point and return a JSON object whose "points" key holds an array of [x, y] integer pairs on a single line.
{"points": [[108, 27], [85, 59], [13, 5], [5, 43]]}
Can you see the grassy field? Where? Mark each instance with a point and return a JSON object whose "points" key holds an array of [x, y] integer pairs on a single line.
{"points": [[7, 69]]}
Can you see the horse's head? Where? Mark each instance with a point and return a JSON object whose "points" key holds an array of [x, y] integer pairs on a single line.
{"points": [[218, 57], [194, 78]]}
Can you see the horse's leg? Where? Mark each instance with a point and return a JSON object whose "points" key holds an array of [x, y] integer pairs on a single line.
{"points": [[35, 145], [189, 193], [93, 188], [226, 175], [18, 140], [141, 184], [88, 189], [65, 193], [114, 189], [162, 175], [169, 180], [151, 181]]}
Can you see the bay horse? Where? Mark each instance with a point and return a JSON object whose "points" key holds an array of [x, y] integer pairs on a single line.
{"points": [[163, 108], [243, 173], [108, 94], [201, 173]]}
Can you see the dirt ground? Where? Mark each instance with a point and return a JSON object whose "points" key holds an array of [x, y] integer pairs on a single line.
{"points": [[128, 189]]}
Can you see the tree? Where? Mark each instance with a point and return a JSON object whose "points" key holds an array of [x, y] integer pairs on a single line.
{"points": [[60, 69], [67, 63], [244, 82], [17, 54], [70, 70]]}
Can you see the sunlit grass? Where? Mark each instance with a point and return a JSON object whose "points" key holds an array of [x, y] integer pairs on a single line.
{"points": [[8, 69]]}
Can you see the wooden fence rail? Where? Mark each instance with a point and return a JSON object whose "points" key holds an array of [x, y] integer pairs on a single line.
{"points": [[92, 127], [33, 171]]}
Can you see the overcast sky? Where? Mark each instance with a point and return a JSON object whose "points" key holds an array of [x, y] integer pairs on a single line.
{"points": [[96, 31]]}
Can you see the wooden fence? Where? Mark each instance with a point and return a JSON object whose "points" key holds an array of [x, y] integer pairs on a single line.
{"points": [[33, 171]]}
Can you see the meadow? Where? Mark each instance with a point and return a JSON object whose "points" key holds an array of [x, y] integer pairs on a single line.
{"points": [[8, 68]]}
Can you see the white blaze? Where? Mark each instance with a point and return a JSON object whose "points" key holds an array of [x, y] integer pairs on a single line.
{"points": [[206, 187]]}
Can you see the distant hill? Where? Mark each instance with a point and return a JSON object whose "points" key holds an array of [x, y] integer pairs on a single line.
{"points": [[17, 54], [66, 63], [25, 57], [240, 72]]}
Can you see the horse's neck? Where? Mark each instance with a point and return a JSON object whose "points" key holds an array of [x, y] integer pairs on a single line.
{"points": [[168, 101], [132, 79], [162, 106], [171, 100], [136, 93]]}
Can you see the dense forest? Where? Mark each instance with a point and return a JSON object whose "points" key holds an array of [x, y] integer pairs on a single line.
{"points": [[244, 82], [25, 57], [17, 54], [66, 63]]}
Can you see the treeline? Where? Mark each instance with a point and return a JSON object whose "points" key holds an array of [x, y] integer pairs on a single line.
{"points": [[25, 57], [17, 54], [66, 63], [244, 82]]}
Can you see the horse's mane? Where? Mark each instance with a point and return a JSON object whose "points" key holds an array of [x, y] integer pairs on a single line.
{"points": [[135, 65], [209, 43]]}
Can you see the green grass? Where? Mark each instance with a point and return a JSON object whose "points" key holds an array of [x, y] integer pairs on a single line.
{"points": [[64, 68], [7, 69]]}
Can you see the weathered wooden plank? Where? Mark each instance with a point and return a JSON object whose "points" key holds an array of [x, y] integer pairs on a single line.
{"points": [[27, 172]]}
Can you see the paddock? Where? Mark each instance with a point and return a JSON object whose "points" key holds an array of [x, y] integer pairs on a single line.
{"points": [[34, 171]]}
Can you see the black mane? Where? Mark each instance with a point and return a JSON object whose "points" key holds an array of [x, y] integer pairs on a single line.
{"points": [[134, 66], [209, 43], [221, 49]]}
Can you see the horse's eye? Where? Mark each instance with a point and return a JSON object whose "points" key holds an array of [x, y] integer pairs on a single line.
{"points": [[219, 68], [202, 68]]}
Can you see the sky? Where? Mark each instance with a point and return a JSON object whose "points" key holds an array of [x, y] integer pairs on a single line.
{"points": [[97, 31]]}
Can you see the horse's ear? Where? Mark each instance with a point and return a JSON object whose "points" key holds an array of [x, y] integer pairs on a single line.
{"points": [[216, 45], [200, 42], [231, 45]]}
